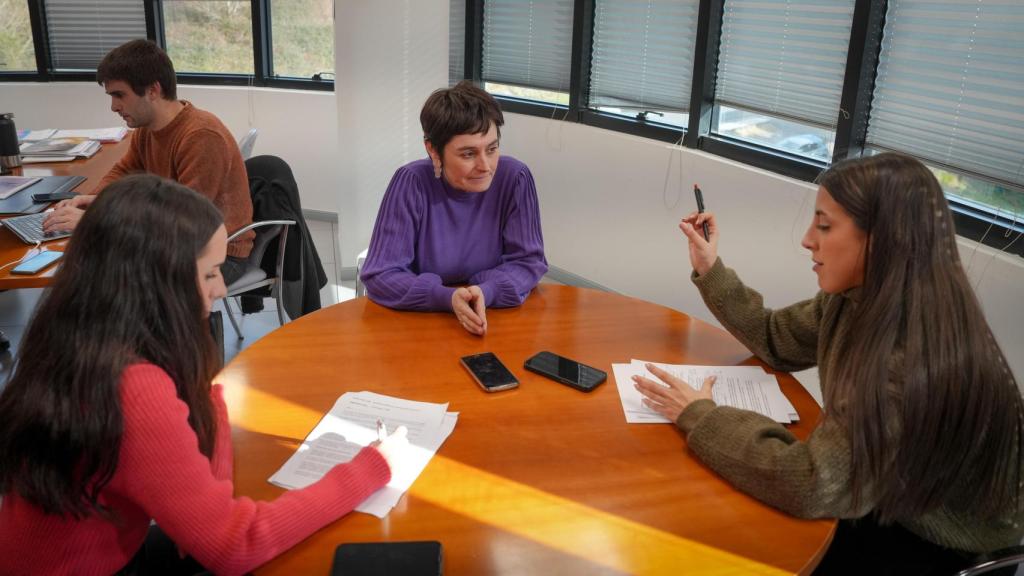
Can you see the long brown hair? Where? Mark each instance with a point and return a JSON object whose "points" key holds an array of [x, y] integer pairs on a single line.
{"points": [[126, 292], [958, 407]]}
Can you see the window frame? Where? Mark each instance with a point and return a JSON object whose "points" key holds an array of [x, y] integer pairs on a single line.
{"points": [[851, 122], [262, 54]]}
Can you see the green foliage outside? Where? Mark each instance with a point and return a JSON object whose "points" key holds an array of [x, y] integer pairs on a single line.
{"points": [[1007, 202], [303, 37], [17, 54], [527, 93], [216, 36]]}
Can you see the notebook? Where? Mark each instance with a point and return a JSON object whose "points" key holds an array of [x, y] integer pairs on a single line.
{"points": [[21, 202]]}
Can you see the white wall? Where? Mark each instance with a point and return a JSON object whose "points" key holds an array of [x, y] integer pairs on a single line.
{"points": [[389, 56], [298, 126]]}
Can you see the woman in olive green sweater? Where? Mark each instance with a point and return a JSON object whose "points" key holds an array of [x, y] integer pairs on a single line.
{"points": [[922, 423]]}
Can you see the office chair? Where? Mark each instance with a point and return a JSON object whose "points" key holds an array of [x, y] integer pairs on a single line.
{"points": [[360, 260], [255, 276], [1000, 560], [248, 142]]}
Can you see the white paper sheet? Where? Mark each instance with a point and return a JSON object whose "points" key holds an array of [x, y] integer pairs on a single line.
{"points": [[115, 134], [352, 424], [36, 135], [747, 387], [382, 501]]}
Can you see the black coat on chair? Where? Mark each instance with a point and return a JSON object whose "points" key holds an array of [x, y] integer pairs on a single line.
{"points": [[275, 196]]}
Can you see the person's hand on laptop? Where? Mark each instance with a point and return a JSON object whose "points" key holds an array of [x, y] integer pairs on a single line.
{"points": [[66, 215], [62, 219], [80, 201]]}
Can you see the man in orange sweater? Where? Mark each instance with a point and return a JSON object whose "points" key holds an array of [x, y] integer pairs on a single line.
{"points": [[173, 139]]}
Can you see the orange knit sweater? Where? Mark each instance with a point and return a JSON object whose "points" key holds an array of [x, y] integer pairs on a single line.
{"points": [[196, 150]]}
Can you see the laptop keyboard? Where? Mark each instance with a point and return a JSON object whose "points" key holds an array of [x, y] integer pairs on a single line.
{"points": [[30, 228]]}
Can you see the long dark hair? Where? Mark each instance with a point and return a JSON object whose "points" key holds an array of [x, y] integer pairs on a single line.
{"points": [[126, 292], [959, 409]]}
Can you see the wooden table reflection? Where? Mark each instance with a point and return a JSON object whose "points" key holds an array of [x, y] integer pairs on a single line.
{"points": [[542, 479]]}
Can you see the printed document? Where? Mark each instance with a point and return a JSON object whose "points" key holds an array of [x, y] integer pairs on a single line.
{"points": [[352, 424], [747, 387]]}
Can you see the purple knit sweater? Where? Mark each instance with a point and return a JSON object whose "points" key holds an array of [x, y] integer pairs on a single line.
{"points": [[430, 236]]}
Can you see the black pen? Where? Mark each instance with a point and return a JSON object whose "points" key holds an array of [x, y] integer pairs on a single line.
{"points": [[700, 210]]}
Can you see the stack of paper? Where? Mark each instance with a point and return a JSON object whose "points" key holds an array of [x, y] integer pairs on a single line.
{"points": [[352, 424], [747, 387], [58, 150], [35, 135], [115, 134]]}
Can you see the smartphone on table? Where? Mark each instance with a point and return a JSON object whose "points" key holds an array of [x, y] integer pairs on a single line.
{"points": [[37, 263], [52, 197], [566, 371], [489, 372], [423, 558]]}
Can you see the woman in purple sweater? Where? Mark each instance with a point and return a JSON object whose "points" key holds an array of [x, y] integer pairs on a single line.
{"points": [[458, 231]]}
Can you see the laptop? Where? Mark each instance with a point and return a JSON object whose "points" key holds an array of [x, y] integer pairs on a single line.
{"points": [[29, 228]]}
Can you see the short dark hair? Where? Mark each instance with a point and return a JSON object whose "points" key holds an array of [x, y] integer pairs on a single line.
{"points": [[462, 109], [140, 63]]}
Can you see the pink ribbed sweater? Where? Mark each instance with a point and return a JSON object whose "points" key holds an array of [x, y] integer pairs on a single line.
{"points": [[162, 475]]}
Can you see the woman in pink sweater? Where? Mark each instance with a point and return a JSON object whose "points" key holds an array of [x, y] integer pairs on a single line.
{"points": [[110, 420]]}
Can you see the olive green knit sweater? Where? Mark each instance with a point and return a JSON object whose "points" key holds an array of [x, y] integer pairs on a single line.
{"points": [[809, 479]]}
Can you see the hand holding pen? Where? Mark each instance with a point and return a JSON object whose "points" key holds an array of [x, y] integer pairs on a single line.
{"points": [[391, 447], [703, 247], [700, 210]]}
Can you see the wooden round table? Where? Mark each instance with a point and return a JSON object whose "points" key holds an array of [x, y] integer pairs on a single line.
{"points": [[542, 479]]}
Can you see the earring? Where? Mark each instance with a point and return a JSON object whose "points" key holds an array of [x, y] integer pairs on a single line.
{"points": [[437, 170]]}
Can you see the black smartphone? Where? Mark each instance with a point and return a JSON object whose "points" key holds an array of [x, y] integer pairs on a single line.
{"points": [[52, 197], [567, 371], [37, 263], [489, 372], [379, 558]]}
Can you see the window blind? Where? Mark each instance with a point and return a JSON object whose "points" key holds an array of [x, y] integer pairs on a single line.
{"points": [[528, 43], [81, 32], [950, 84], [785, 58], [643, 53], [456, 41]]}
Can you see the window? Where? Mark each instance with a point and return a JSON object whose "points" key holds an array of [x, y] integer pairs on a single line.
{"points": [[948, 91], [302, 37], [780, 73], [82, 32], [209, 36], [456, 41], [642, 58], [17, 52], [283, 43], [526, 48], [982, 194]]}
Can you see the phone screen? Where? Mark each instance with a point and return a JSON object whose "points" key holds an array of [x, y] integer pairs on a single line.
{"points": [[565, 370], [37, 262], [489, 372]]}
